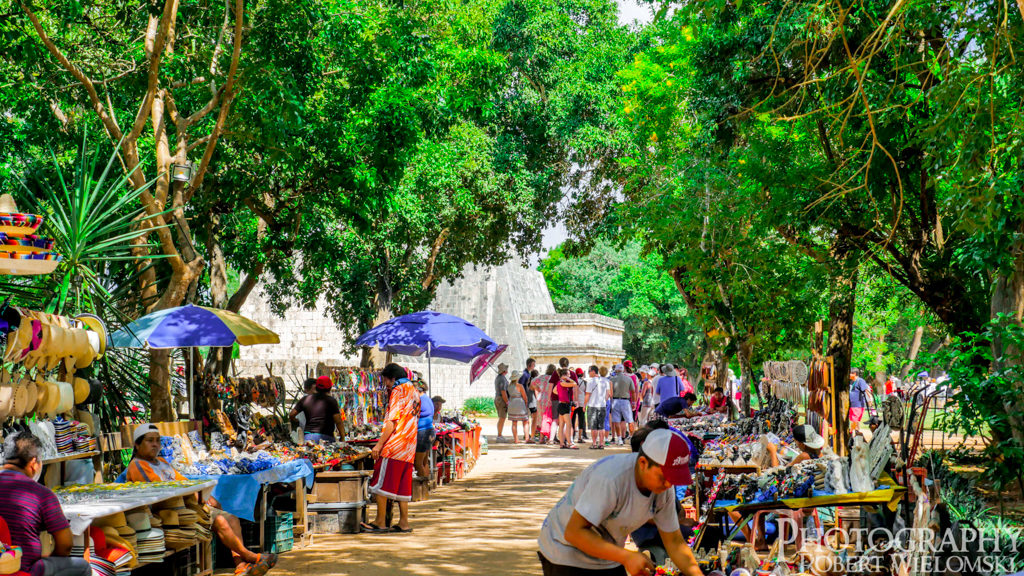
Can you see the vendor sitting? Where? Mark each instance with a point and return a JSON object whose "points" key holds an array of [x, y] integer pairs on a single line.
{"points": [[676, 407], [719, 404], [806, 440], [30, 508], [148, 466]]}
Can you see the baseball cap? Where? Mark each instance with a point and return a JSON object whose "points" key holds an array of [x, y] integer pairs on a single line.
{"points": [[628, 363], [324, 383], [579, 371], [670, 450], [618, 368], [143, 429], [809, 437]]}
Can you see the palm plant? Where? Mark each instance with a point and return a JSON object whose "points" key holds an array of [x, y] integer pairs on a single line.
{"points": [[93, 215]]}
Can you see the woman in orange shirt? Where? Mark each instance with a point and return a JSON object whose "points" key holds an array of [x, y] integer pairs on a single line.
{"points": [[148, 466]]}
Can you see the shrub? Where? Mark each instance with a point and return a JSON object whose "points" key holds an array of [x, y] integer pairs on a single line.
{"points": [[479, 406]]}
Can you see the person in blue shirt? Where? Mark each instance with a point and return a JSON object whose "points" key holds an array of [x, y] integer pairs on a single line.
{"points": [[861, 397], [424, 432]]}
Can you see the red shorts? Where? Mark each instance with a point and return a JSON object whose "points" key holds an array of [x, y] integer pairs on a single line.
{"points": [[856, 414], [392, 479]]}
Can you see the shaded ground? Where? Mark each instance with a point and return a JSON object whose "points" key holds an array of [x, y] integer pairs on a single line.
{"points": [[486, 523]]}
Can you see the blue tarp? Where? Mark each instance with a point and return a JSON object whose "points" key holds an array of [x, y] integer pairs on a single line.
{"points": [[237, 493]]}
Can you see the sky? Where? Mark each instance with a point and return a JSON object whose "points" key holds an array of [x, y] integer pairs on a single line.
{"points": [[629, 12]]}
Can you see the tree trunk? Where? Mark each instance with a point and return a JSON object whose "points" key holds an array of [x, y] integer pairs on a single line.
{"points": [[841, 307], [1008, 303], [382, 301], [915, 347], [160, 408], [744, 350]]}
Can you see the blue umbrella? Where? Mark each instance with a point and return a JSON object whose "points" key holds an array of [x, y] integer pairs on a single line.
{"points": [[437, 334]]}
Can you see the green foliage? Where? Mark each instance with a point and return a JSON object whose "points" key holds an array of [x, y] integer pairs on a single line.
{"points": [[480, 406], [622, 283]]}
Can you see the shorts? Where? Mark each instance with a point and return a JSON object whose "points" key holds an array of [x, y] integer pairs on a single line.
{"points": [[501, 406], [564, 408], [425, 439], [622, 411], [595, 417], [533, 409], [550, 569], [856, 414], [392, 479]]}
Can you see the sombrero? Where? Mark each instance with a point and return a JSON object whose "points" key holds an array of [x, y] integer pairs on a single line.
{"points": [[66, 397], [81, 386], [97, 325], [19, 264], [28, 244], [16, 223]]}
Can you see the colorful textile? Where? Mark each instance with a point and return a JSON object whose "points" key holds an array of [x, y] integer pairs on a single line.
{"points": [[404, 412]]}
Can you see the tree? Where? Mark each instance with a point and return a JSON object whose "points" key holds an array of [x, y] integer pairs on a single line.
{"points": [[623, 283]]}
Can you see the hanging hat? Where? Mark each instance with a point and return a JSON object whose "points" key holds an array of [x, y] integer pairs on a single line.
{"points": [[66, 397], [20, 401], [88, 419], [42, 394], [81, 386], [16, 223], [79, 348], [32, 394], [6, 400], [99, 327], [53, 399]]}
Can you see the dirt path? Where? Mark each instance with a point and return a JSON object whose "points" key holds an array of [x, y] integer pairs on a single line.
{"points": [[486, 523]]}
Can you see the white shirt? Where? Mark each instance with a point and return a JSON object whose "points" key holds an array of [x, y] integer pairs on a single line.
{"points": [[606, 495], [597, 387]]}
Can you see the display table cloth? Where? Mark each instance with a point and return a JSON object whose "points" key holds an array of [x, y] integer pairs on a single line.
{"points": [[84, 503], [238, 493]]}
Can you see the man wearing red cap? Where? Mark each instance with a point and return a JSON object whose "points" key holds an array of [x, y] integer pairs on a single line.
{"points": [[585, 533], [323, 415]]}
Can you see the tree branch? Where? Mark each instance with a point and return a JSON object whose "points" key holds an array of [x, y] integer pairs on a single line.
{"points": [[428, 278]]}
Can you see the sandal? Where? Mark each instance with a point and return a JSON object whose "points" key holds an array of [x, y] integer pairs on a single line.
{"points": [[264, 562], [373, 528], [400, 530]]}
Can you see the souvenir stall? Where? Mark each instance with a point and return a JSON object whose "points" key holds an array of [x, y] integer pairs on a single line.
{"points": [[46, 389]]}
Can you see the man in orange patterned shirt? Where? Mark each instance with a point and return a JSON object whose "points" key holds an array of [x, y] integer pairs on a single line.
{"points": [[395, 452]]}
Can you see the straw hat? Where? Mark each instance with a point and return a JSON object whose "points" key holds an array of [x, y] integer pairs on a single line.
{"points": [[33, 394], [20, 401], [78, 347], [138, 519], [10, 561], [42, 396], [6, 400], [81, 386], [66, 397], [97, 325], [95, 391], [16, 223], [48, 409], [88, 419]]}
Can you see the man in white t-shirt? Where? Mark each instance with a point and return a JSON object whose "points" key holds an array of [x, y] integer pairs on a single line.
{"points": [[585, 533], [599, 393]]}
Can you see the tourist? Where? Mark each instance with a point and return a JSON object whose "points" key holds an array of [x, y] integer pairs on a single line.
{"points": [[147, 466], [718, 403], [647, 402], [321, 411], [669, 385], [684, 377], [861, 397], [525, 379], [678, 407], [547, 403], [585, 533], [394, 453], [634, 394], [30, 508], [438, 402], [579, 405], [596, 399], [603, 371], [621, 411], [518, 412], [565, 387], [501, 399], [535, 386], [425, 434]]}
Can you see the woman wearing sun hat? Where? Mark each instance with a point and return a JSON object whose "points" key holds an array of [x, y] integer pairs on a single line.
{"points": [[148, 466]]}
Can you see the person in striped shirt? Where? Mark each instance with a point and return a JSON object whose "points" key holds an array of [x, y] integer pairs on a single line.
{"points": [[148, 466], [30, 508]]}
